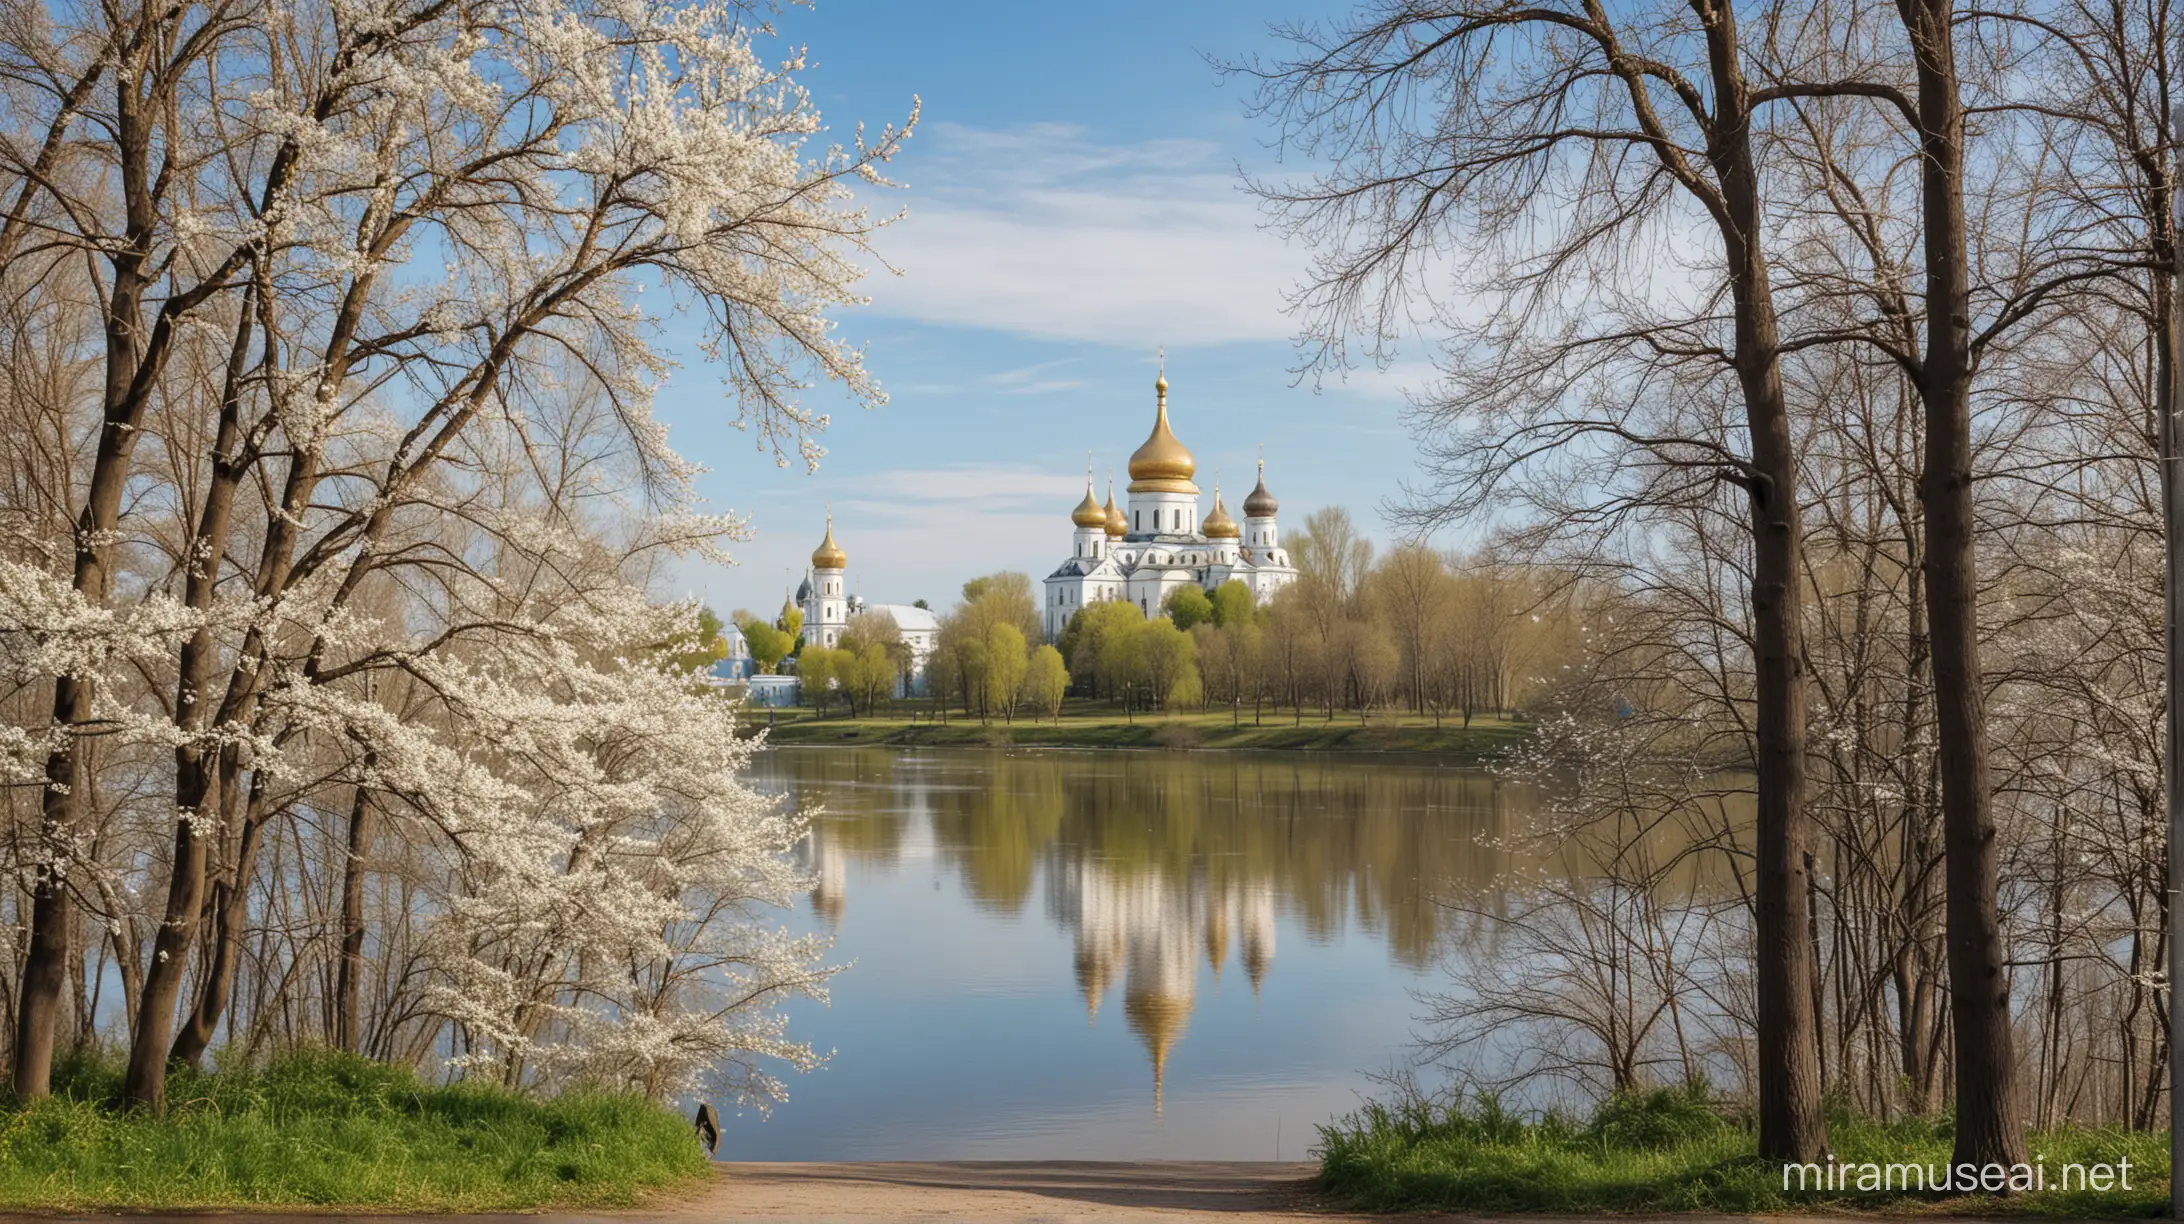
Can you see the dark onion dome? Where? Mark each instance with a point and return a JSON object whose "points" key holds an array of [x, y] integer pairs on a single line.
{"points": [[803, 593], [1261, 504]]}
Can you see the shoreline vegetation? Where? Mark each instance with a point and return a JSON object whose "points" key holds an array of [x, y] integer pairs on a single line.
{"points": [[1670, 1151], [325, 1129], [1100, 725]]}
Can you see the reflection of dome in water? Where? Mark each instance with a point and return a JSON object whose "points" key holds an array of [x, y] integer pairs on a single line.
{"points": [[1095, 971], [1158, 1020], [1217, 924], [830, 879], [1258, 923]]}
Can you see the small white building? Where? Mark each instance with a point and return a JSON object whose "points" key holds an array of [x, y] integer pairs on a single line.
{"points": [[828, 610], [774, 691]]}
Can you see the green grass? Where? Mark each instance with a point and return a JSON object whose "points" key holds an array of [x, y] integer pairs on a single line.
{"points": [[1671, 1151], [331, 1130], [1100, 726]]}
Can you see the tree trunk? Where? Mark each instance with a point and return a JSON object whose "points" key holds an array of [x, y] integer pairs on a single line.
{"points": [[45, 967], [1988, 1126], [348, 1031], [1792, 1123], [230, 906]]}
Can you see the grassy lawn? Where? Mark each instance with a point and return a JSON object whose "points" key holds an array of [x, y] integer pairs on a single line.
{"points": [[1100, 725], [327, 1130], [1668, 1151]]}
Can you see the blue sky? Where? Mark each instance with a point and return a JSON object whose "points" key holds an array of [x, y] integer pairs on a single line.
{"points": [[1073, 204]]}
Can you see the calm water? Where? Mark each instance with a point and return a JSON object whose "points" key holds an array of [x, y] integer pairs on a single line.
{"points": [[1114, 955]]}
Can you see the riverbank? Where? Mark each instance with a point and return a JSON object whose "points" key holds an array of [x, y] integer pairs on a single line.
{"points": [[1671, 1152], [325, 1130], [1485, 739]]}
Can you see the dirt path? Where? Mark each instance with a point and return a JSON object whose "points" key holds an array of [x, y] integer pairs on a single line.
{"points": [[1237, 1192], [983, 1192]]}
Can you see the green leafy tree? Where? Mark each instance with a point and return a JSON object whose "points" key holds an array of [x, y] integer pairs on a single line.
{"points": [[1087, 635], [1005, 661], [1188, 608], [998, 597], [878, 656], [1167, 662], [768, 645], [819, 673], [866, 672], [1119, 658], [1046, 678], [1232, 604]]}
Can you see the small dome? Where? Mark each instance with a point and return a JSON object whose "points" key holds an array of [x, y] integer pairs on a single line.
{"points": [[1089, 512], [829, 555], [1261, 504], [1118, 524], [803, 595], [1218, 525]]}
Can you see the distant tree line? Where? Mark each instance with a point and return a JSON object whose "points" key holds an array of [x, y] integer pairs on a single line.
{"points": [[1419, 630]]}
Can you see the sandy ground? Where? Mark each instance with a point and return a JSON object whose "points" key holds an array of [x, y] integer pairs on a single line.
{"points": [[1003, 1192], [1238, 1192], [988, 1192]]}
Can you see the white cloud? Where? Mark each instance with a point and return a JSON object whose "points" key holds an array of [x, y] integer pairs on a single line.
{"points": [[1042, 232], [914, 494]]}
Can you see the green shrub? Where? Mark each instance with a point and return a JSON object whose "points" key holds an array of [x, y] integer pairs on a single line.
{"points": [[329, 1129], [1672, 1150], [1655, 1121]]}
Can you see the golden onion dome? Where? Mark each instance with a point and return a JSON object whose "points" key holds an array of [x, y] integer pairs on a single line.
{"points": [[829, 555], [1218, 525], [1162, 464], [1089, 512], [1261, 504], [1118, 524]]}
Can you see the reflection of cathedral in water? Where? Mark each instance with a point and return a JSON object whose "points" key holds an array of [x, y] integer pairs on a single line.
{"points": [[1149, 930], [1139, 928], [1150, 865]]}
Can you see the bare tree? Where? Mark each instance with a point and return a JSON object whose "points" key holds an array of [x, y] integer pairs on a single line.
{"points": [[1635, 123]]}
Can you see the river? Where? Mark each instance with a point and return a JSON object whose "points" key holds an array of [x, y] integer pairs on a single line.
{"points": [[1114, 955]]}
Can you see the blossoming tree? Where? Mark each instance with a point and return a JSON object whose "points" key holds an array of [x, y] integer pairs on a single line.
{"points": [[382, 283]]}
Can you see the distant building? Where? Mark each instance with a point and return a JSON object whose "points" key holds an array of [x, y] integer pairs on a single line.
{"points": [[737, 664], [774, 691], [828, 608], [1161, 545]]}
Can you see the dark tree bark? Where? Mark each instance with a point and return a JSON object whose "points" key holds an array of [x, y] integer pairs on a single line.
{"points": [[1989, 1125], [230, 905], [1792, 1122], [131, 360], [348, 1028]]}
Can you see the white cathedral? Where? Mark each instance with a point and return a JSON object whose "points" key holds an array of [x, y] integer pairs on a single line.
{"points": [[1161, 545]]}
